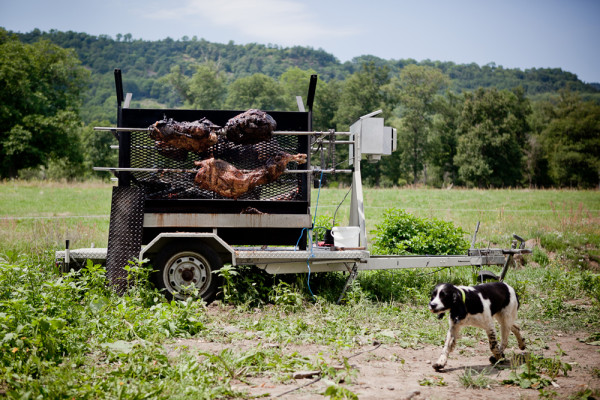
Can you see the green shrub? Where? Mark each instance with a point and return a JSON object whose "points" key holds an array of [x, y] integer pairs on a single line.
{"points": [[539, 256], [591, 285], [402, 233]]}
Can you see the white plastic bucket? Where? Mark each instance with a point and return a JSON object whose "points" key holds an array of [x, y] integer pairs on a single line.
{"points": [[345, 236]]}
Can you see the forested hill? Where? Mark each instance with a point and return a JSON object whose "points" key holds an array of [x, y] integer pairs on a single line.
{"points": [[482, 126], [143, 62]]}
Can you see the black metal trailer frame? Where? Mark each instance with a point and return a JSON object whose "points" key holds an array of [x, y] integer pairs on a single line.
{"points": [[157, 213]]}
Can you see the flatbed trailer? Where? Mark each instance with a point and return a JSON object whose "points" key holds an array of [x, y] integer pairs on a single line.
{"points": [[187, 234]]}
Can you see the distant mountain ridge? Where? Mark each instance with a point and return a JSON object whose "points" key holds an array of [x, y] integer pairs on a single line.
{"points": [[143, 62]]}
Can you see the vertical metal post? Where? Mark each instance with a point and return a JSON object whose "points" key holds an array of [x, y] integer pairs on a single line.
{"points": [[124, 138], [119, 89], [310, 99], [67, 266], [357, 207]]}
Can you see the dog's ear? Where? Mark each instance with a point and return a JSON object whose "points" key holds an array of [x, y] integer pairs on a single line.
{"points": [[458, 310], [456, 297]]}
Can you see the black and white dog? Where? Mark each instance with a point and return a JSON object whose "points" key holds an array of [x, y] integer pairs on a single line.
{"points": [[477, 306]]}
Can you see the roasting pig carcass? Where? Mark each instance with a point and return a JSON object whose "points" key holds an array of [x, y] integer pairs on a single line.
{"points": [[250, 127], [196, 136], [226, 180]]}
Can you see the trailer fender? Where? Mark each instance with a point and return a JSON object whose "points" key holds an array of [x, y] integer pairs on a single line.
{"points": [[224, 250]]}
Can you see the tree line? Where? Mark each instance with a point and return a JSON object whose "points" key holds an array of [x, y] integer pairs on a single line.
{"points": [[541, 130]]}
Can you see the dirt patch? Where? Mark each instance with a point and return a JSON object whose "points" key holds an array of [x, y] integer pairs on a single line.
{"points": [[388, 371]]}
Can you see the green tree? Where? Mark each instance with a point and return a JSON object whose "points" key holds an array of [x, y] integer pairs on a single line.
{"points": [[40, 88], [179, 83], [489, 149], [415, 90], [255, 91], [97, 151], [326, 103], [572, 141], [536, 161], [207, 89], [444, 138], [362, 93], [295, 82]]}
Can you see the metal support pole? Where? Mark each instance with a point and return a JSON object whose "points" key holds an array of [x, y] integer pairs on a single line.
{"points": [[351, 277], [67, 265]]}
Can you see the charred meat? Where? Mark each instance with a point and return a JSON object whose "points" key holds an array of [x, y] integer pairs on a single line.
{"points": [[196, 136], [226, 180], [250, 127]]}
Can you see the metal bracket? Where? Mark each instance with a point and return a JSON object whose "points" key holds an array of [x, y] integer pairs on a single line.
{"points": [[510, 258], [351, 277]]}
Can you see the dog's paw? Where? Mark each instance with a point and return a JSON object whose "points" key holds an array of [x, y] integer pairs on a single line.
{"points": [[438, 367], [494, 360]]}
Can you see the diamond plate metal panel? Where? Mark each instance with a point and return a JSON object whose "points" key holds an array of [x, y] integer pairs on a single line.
{"points": [[124, 234]]}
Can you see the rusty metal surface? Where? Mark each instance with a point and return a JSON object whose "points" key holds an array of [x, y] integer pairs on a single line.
{"points": [[209, 220], [124, 234]]}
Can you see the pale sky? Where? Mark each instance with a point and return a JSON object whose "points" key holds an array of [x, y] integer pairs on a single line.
{"points": [[512, 33]]}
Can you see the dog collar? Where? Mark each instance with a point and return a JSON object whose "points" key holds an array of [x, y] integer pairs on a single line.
{"points": [[464, 296]]}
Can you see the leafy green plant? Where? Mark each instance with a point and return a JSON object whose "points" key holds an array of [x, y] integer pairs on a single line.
{"points": [[586, 393], [591, 285], [539, 256], [433, 381], [337, 392], [527, 378], [228, 273], [475, 380], [403, 233], [322, 223], [287, 296], [538, 371], [139, 282], [245, 285]]}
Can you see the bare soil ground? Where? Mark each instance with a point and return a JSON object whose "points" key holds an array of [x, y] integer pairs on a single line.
{"points": [[389, 371]]}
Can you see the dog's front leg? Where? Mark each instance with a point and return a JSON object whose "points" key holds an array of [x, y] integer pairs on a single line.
{"points": [[451, 338]]}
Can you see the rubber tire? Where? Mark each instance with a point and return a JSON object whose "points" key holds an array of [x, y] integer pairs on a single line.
{"points": [[199, 258]]}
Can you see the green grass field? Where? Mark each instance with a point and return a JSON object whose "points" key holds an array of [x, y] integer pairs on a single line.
{"points": [[69, 336], [49, 213]]}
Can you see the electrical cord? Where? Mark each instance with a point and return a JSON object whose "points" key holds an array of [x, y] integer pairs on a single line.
{"points": [[312, 250], [339, 205]]}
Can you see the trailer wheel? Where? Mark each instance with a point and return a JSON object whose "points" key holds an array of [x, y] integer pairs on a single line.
{"points": [[186, 269]]}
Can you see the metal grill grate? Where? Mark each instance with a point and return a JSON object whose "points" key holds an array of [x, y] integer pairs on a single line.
{"points": [[124, 234], [169, 185]]}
